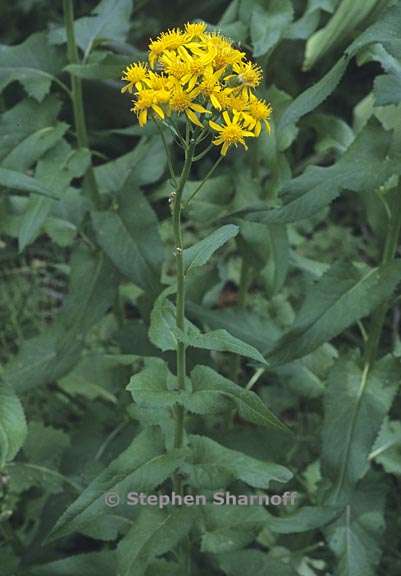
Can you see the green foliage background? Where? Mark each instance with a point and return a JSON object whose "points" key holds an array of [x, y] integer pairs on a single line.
{"points": [[293, 265]]}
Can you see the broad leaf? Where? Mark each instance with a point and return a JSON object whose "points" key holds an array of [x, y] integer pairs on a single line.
{"points": [[342, 296], [208, 385], [211, 462], [33, 63], [130, 237], [142, 466], [356, 404], [108, 21], [268, 27], [13, 427], [355, 536], [154, 533], [164, 334]]}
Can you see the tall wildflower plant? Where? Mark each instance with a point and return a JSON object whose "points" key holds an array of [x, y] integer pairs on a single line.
{"points": [[201, 88]]}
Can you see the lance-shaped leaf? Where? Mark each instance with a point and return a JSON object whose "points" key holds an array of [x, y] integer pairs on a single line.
{"points": [[355, 537], [342, 296], [231, 528], [365, 165], [143, 466], [164, 334], [209, 385], [13, 427], [130, 237], [16, 181], [154, 533], [303, 520], [92, 564], [211, 462], [356, 404], [202, 251]]}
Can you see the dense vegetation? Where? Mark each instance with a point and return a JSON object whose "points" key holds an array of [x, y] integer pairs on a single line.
{"points": [[292, 274]]}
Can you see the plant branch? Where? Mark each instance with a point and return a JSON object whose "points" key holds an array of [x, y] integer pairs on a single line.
{"points": [[77, 98]]}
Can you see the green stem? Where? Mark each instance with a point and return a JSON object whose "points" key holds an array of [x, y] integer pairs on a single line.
{"points": [[180, 301], [389, 252], [77, 98]]}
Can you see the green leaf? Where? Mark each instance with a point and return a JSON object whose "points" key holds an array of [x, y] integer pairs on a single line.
{"points": [[164, 334], [303, 520], [142, 466], [130, 237], [267, 27], [220, 341], [25, 134], [92, 564], [355, 537], [387, 448], [17, 181], [251, 327], [29, 150], [108, 21], [154, 385], [313, 96], [154, 533], [144, 165], [33, 63], [342, 296], [100, 66], [253, 562], [387, 89], [201, 252], [56, 171], [230, 528], [356, 404], [210, 458], [365, 165], [208, 384], [348, 16], [13, 427]]}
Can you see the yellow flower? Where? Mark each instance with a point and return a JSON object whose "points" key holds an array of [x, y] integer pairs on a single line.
{"points": [[170, 40], [135, 75], [182, 101], [225, 54], [195, 30], [197, 65], [147, 100], [231, 134], [211, 88], [258, 111], [173, 65], [248, 75], [199, 73]]}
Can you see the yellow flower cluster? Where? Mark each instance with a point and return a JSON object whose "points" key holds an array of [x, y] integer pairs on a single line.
{"points": [[201, 75]]}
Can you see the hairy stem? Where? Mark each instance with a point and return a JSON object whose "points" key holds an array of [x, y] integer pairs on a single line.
{"points": [[77, 99]]}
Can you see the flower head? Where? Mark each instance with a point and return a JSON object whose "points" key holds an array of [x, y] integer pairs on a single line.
{"points": [[135, 75], [231, 133], [202, 77], [258, 111]]}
